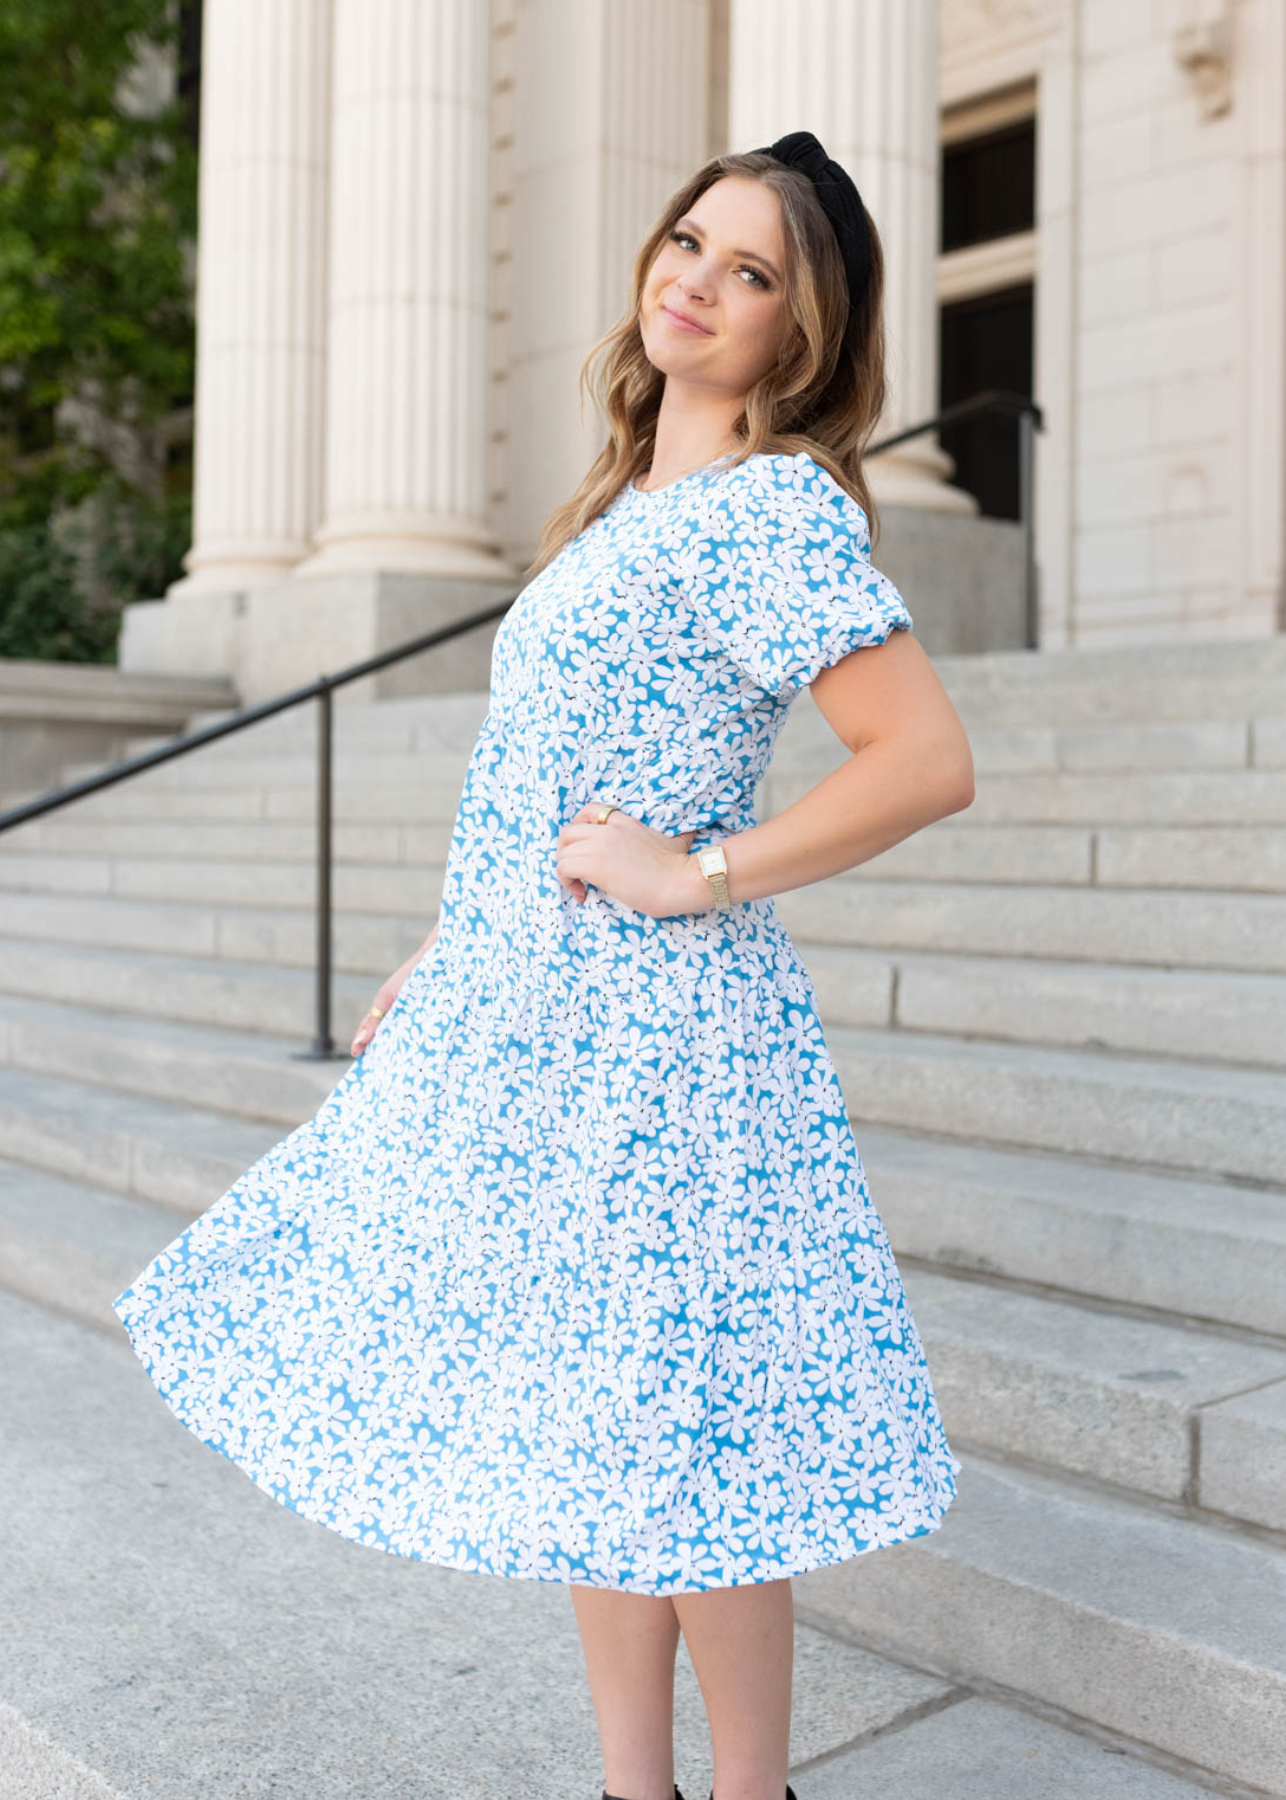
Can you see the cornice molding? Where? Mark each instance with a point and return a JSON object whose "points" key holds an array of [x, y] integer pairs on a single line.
{"points": [[969, 28]]}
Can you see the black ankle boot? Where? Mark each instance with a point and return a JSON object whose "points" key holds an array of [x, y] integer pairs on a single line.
{"points": [[677, 1794], [790, 1793]]}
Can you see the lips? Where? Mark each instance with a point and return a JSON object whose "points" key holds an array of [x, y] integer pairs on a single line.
{"points": [[682, 321]]}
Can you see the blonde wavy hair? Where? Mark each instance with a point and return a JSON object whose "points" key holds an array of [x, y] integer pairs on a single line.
{"points": [[824, 395]]}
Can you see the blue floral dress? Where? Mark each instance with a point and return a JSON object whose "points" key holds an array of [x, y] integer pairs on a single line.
{"points": [[575, 1275]]}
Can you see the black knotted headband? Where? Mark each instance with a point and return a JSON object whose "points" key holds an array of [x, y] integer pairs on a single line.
{"points": [[840, 201]]}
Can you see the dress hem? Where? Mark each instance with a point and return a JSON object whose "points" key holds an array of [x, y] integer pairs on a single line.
{"points": [[930, 1521]]}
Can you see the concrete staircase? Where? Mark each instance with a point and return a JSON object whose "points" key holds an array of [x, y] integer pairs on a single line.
{"points": [[1059, 1018]]}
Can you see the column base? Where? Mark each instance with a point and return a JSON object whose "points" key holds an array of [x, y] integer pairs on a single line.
{"points": [[269, 639], [917, 474]]}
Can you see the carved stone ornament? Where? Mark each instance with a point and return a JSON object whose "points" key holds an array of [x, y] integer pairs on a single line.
{"points": [[1203, 50]]}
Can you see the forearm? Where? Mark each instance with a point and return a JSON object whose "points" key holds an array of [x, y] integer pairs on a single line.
{"points": [[882, 794]]}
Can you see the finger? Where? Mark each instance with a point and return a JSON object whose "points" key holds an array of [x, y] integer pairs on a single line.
{"points": [[568, 876]]}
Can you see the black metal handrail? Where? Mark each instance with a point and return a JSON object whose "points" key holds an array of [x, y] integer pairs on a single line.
{"points": [[323, 1045]]}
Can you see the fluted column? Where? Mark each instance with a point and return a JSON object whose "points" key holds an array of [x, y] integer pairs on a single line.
{"points": [[863, 75], [406, 381], [610, 118], [260, 320]]}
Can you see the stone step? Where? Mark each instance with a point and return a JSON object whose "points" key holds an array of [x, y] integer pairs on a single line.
{"points": [[1216, 678], [241, 890], [212, 767], [1201, 1248], [1119, 1400], [174, 1154], [1212, 679], [1242, 858], [251, 911], [1077, 1004], [998, 1752], [1196, 1117], [1192, 1117], [256, 998], [251, 840], [1171, 1630], [133, 842], [1168, 744], [1081, 1005], [145, 798], [1145, 927], [407, 721], [72, 1246], [77, 950], [1239, 743], [243, 1074], [1140, 927], [1188, 798], [363, 1700], [1218, 797]]}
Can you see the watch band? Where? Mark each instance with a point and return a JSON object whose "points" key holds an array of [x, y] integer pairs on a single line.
{"points": [[714, 866]]}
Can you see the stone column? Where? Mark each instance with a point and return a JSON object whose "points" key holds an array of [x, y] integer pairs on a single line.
{"points": [[261, 260], [863, 75], [610, 116], [406, 466]]}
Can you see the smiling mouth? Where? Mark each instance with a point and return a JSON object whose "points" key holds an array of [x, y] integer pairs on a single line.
{"points": [[681, 324]]}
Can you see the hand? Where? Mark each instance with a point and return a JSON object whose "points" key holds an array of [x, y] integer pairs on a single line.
{"points": [[642, 868], [384, 998]]}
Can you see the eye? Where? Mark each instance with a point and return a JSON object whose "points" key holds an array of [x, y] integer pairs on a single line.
{"points": [[680, 237]]}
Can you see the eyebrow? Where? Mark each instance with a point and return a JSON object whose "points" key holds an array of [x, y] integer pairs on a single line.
{"points": [[752, 254]]}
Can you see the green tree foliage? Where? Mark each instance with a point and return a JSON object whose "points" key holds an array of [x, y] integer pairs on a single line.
{"points": [[97, 222]]}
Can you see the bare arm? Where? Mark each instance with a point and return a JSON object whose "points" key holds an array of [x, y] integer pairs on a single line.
{"points": [[388, 992], [910, 765]]}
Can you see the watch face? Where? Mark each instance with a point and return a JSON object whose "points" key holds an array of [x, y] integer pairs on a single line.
{"points": [[712, 861]]}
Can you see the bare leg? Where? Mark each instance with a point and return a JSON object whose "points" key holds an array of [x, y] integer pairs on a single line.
{"points": [[742, 1644], [630, 1642]]}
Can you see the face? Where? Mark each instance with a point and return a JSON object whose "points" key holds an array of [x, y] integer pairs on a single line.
{"points": [[722, 267]]}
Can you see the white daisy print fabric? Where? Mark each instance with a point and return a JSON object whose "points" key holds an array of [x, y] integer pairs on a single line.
{"points": [[575, 1275]]}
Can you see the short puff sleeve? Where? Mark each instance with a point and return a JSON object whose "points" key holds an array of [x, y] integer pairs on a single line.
{"points": [[781, 575]]}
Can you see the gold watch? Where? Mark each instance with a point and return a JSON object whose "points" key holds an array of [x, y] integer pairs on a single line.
{"points": [[714, 866]]}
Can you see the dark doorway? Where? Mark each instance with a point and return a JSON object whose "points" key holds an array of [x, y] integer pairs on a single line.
{"points": [[989, 185], [986, 342]]}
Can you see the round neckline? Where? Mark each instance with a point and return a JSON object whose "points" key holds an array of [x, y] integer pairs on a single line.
{"points": [[655, 493]]}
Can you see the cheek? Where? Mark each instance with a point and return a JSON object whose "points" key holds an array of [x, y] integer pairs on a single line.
{"points": [[662, 272], [756, 332]]}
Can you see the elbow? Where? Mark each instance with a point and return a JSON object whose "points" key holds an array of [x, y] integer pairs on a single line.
{"points": [[957, 792], [962, 794], [943, 767]]}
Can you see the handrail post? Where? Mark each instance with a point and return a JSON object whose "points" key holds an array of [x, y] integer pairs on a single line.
{"points": [[323, 1045], [1027, 512]]}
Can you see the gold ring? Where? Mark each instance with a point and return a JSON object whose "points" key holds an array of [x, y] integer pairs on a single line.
{"points": [[375, 1013], [606, 813]]}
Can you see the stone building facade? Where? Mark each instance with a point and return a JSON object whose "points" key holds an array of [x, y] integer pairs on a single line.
{"points": [[417, 217]]}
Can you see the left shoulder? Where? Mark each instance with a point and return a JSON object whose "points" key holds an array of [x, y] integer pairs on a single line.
{"points": [[801, 492]]}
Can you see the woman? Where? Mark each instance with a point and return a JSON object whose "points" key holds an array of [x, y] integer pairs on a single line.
{"points": [[575, 1275]]}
